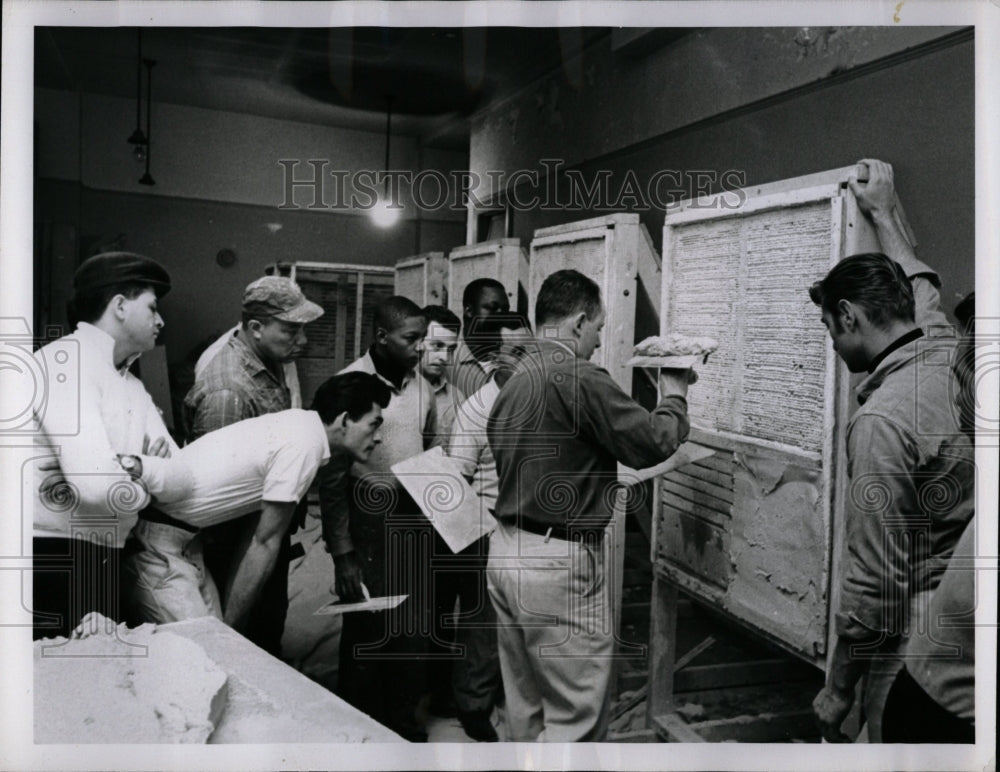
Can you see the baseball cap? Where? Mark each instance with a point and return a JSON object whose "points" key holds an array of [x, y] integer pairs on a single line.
{"points": [[281, 298]]}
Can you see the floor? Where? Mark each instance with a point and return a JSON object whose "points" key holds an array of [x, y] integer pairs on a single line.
{"points": [[310, 642]]}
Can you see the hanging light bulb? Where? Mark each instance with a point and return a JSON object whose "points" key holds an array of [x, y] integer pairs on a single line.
{"points": [[386, 212], [139, 153]]}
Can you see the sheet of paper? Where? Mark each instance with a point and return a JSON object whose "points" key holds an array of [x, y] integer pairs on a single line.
{"points": [[686, 454], [455, 510], [336, 608]]}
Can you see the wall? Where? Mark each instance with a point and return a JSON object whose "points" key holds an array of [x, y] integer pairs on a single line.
{"points": [[913, 107], [219, 184]]}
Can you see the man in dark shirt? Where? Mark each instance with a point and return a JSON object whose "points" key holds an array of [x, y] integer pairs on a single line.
{"points": [[246, 379], [558, 429]]}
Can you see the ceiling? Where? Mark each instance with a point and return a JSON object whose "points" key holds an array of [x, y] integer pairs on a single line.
{"points": [[434, 77]]}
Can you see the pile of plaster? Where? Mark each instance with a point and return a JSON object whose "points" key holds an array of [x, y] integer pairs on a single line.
{"points": [[107, 683]]}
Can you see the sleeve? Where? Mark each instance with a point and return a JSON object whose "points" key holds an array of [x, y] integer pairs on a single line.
{"points": [[167, 479], [633, 435], [881, 494], [334, 506], [86, 458], [466, 443], [219, 408], [292, 466]]}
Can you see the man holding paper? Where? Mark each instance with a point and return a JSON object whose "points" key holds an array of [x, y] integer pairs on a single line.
{"points": [[558, 429]]}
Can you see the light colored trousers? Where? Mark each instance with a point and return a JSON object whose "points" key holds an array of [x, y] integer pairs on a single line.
{"points": [[556, 635], [164, 578]]}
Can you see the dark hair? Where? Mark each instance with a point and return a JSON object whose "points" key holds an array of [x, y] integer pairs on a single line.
{"points": [[565, 293], [90, 305], [442, 316], [872, 281], [393, 311], [353, 393], [475, 288]]}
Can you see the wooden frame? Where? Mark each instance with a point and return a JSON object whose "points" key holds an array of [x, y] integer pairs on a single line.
{"points": [[347, 293], [423, 278], [850, 233]]}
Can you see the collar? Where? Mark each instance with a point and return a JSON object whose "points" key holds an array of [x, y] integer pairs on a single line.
{"points": [[253, 363], [441, 386], [902, 340], [97, 338], [558, 343], [378, 368], [894, 360]]}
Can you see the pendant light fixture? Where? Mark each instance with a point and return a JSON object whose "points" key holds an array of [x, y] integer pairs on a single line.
{"points": [[147, 178], [384, 214], [138, 139]]}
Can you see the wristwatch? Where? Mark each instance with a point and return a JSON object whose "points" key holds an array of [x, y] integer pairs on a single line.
{"points": [[132, 465]]}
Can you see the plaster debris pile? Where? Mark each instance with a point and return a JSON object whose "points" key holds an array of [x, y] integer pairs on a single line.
{"points": [[107, 683]]}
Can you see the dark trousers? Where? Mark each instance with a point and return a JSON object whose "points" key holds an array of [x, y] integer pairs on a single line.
{"points": [[465, 660], [383, 654], [912, 716], [266, 621], [382, 667], [72, 577]]}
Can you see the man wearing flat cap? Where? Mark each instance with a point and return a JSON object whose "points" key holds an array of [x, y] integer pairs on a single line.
{"points": [[107, 450], [245, 378]]}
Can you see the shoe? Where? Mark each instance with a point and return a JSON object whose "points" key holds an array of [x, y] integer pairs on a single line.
{"points": [[477, 726]]}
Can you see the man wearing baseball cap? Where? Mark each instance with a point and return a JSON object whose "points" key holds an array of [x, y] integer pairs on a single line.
{"points": [[245, 377], [109, 451]]}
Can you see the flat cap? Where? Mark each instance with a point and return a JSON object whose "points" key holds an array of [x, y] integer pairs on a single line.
{"points": [[110, 268], [281, 298]]}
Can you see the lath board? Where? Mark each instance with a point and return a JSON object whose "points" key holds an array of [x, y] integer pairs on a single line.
{"points": [[743, 281]]}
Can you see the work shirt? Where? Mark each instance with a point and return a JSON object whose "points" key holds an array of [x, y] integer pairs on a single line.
{"points": [[943, 662], [468, 374], [234, 385], [289, 370], [272, 457], [911, 476], [447, 399], [409, 427], [558, 429], [469, 446], [93, 412]]}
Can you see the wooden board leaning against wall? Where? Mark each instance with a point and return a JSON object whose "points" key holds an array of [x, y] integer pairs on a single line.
{"points": [[755, 530]]}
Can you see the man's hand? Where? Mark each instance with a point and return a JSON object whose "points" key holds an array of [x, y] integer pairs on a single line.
{"points": [[878, 195], [52, 478], [831, 707], [158, 447], [347, 570], [674, 383]]}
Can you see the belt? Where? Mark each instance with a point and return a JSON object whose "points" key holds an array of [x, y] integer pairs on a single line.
{"points": [[153, 515], [556, 530]]}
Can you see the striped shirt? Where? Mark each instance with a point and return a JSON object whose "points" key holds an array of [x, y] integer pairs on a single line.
{"points": [[233, 386]]}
